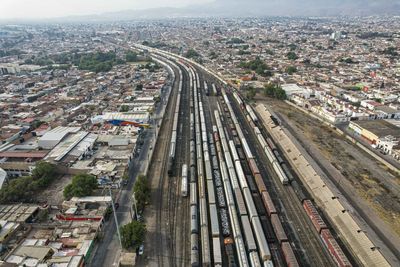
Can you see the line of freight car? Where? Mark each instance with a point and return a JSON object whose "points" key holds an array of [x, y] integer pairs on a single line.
{"points": [[236, 231], [321, 227], [248, 201], [219, 189], [248, 197], [172, 149], [194, 207], [215, 229], [276, 224], [205, 258], [329, 241], [184, 181], [270, 149]]}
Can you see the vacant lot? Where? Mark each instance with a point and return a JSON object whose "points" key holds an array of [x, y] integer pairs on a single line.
{"points": [[372, 180]]}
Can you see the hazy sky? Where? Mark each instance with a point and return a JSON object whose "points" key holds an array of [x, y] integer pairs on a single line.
{"points": [[58, 8]]}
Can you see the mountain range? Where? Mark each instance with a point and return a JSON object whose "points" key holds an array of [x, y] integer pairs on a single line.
{"points": [[255, 8]]}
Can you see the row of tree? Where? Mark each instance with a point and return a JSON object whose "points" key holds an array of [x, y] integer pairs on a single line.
{"points": [[24, 189], [141, 190]]}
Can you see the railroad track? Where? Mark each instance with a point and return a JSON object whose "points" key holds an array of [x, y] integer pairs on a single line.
{"points": [[178, 206], [307, 244], [158, 170]]}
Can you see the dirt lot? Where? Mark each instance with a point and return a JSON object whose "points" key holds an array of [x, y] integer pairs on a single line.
{"points": [[372, 180], [54, 194]]}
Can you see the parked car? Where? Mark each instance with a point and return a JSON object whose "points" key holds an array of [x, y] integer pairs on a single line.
{"points": [[141, 249]]}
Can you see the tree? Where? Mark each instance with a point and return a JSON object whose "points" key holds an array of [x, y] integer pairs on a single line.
{"points": [[44, 173], [251, 93], [191, 53], [139, 87], [131, 56], [24, 189], [292, 55], [81, 185], [133, 234], [141, 189], [257, 65], [124, 108], [275, 91], [291, 69]]}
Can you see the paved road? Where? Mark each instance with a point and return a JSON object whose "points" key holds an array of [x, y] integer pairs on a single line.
{"points": [[108, 249]]}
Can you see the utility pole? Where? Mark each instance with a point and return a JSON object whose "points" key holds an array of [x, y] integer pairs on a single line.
{"points": [[134, 203], [115, 217]]}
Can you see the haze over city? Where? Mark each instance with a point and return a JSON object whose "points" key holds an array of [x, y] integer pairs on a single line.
{"points": [[45, 9]]}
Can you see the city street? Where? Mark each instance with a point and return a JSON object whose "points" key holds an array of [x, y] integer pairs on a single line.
{"points": [[108, 249]]}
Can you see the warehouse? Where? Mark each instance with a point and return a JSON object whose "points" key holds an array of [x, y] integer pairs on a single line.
{"points": [[375, 130], [50, 139]]}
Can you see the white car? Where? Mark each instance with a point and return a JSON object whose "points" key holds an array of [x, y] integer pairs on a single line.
{"points": [[141, 249]]}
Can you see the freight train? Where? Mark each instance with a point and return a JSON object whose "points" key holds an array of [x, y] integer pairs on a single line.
{"points": [[321, 227]]}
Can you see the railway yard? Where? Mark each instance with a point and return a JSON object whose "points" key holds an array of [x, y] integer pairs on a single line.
{"points": [[227, 192]]}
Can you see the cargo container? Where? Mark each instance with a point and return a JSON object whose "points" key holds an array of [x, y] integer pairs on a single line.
{"points": [[248, 234], [241, 206], [217, 252], [194, 250], [268, 204], [263, 247], [214, 221], [260, 183], [251, 207], [253, 167], [334, 249], [254, 259], [194, 227], [288, 254], [312, 212], [278, 228]]}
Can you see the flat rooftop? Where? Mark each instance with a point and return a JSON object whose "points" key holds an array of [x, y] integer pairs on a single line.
{"points": [[380, 128]]}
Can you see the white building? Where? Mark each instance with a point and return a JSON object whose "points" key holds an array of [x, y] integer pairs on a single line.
{"points": [[51, 138], [291, 89]]}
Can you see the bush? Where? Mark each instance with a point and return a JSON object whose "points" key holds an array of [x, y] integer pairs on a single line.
{"points": [[82, 185], [133, 234]]}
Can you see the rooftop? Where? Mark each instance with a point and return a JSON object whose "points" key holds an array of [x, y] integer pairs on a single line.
{"points": [[380, 128]]}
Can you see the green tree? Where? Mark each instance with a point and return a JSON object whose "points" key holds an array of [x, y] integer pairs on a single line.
{"points": [[81, 185], [292, 55], [291, 69], [257, 65], [124, 108], [191, 53], [139, 87], [131, 56], [24, 189], [44, 173], [133, 234], [274, 91], [251, 93], [141, 189]]}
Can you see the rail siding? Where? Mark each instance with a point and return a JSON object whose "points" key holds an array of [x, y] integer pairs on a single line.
{"points": [[357, 240]]}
